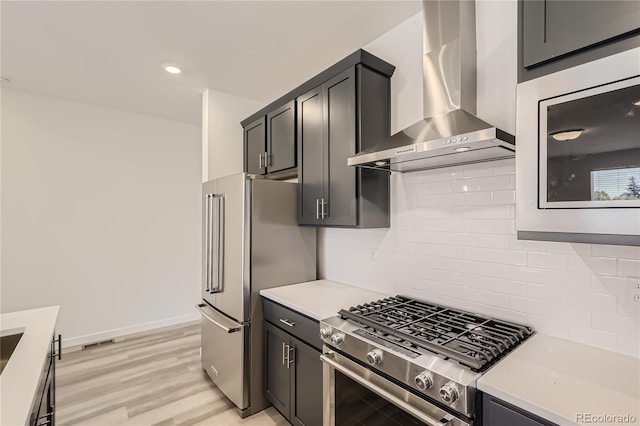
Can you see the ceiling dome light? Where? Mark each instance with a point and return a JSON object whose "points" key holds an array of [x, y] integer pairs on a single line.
{"points": [[567, 135], [172, 69]]}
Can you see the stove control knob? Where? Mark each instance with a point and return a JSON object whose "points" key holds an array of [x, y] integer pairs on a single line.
{"points": [[325, 333], [374, 357], [337, 339], [424, 381], [449, 393]]}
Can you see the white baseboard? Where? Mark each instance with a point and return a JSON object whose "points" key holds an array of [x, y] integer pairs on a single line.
{"points": [[70, 343]]}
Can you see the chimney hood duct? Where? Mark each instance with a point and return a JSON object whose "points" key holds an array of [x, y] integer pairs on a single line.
{"points": [[450, 134]]}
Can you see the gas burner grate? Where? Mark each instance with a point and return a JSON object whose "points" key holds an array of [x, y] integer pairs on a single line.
{"points": [[471, 339]]}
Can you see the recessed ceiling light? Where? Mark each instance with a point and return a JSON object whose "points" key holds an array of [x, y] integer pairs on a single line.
{"points": [[637, 103], [567, 135], [172, 69], [462, 149]]}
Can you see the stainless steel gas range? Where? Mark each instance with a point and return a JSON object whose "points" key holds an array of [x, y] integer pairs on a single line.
{"points": [[400, 361]]}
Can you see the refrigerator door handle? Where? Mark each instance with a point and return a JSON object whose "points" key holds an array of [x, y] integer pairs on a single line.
{"points": [[221, 235], [216, 323], [207, 245], [218, 260]]}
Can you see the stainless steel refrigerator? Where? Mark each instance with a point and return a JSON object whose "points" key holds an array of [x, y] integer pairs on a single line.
{"points": [[251, 241]]}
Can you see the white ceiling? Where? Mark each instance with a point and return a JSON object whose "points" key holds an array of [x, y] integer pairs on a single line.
{"points": [[111, 53]]}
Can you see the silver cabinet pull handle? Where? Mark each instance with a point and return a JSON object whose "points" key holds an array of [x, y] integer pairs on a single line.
{"points": [[322, 208], [317, 208], [267, 159], [216, 323], [260, 160], [290, 360], [283, 358], [287, 322]]}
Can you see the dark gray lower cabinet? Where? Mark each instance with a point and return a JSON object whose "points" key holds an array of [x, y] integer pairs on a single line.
{"points": [[44, 402], [293, 369], [496, 412]]}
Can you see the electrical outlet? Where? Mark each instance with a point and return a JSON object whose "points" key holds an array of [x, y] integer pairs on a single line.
{"points": [[373, 255], [634, 288]]}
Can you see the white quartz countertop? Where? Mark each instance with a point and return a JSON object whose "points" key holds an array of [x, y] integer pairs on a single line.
{"points": [[320, 299], [19, 380], [558, 380]]}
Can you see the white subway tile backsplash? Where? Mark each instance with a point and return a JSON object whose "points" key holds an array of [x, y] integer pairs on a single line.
{"points": [[529, 306], [530, 275], [591, 336], [569, 279], [609, 285], [493, 298], [494, 183], [627, 326], [438, 187], [569, 248], [478, 198], [628, 268], [504, 226], [465, 185], [508, 256], [592, 301], [594, 265], [453, 241], [450, 199], [504, 197], [563, 313], [548, 260], [623, 252], [547, 293]]}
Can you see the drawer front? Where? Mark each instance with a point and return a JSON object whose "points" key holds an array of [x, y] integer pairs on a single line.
{"points": [[223, 355], [294, 323]]}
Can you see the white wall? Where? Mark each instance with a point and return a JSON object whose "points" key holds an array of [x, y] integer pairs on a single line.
{"points": [[452, 238], [100, 214], [222, 143]]}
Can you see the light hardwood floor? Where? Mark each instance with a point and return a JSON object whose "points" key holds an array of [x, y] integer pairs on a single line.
{"points": [[153, 378]]}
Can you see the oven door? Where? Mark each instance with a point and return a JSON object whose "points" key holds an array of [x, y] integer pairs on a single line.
{"points": [[355, 395]]}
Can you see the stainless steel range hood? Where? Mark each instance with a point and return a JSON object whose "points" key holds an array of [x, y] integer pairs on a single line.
{"points": [[450, 134]]}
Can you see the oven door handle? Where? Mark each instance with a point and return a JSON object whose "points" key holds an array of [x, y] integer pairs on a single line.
{"points": [[386, 395]]}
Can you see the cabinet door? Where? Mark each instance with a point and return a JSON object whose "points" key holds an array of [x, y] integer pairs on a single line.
{"points": [[310, 156], [277, 370], [255, 147], [552, 28], [498, 413], [306, 385], [281, 138], [340, 144]]}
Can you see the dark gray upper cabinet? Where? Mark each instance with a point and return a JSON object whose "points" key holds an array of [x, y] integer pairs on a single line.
{"points": [[338, 118], [311, 153], [254, 147], [270, 142], [558, 34], [281, 139]]}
